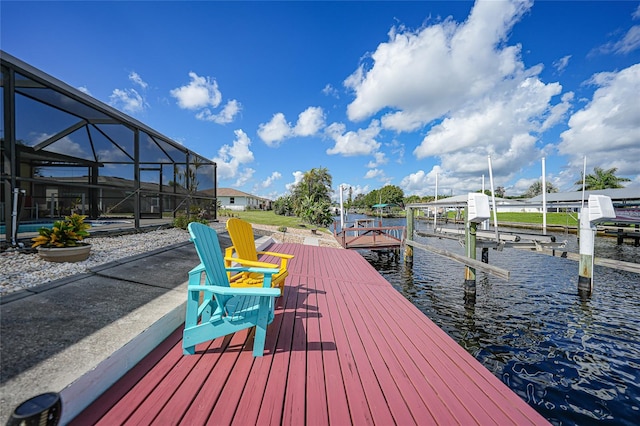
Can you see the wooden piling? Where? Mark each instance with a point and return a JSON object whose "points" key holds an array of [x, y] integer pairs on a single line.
{"points": [[470, 245], [587, 239], [408, 249]]}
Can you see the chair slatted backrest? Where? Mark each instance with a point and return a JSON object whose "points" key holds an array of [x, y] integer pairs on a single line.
{"points": [[242, 238], [205, 239]]}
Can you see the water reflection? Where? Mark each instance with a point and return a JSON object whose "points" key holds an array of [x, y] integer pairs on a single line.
{"points": [[574, 359]]}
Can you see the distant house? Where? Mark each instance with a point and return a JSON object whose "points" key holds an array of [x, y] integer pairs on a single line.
{"points": [[233, 199]]}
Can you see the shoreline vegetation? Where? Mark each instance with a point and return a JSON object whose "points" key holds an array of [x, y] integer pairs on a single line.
{"points": [[296, 229], [261, 217]]}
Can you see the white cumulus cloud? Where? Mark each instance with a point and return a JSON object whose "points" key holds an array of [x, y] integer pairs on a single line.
{"points": [[309, 123], [269, 181], [201, 92], [128, 100], [228, 113], [231, 157], [424, 74], [203, 95], [351, 143], [607, 129]]}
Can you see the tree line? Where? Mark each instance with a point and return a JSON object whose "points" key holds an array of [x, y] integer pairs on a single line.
{"points": [[310, 199]]}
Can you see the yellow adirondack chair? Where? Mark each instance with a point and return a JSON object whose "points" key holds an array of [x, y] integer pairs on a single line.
{"points": [[244, 248]]}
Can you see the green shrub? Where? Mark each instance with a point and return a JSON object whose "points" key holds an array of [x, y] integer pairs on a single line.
{"points": [[183, 220]]}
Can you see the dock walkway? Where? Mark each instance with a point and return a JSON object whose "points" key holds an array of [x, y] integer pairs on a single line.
{"points": [[345, 348]]}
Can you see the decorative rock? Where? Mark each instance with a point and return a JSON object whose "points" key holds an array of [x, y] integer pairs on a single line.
{"points": [[19, 270]]}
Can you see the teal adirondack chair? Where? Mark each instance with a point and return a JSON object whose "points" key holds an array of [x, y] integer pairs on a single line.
{"points": [[214, 309]]}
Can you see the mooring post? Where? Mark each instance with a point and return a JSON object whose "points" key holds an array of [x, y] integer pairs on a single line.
{"points": [[599, 208], [470, 244], [477, 211], [587, 239], [408, 250]]}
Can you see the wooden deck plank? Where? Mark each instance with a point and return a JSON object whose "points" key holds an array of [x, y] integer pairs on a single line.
{"points": [[294, 402], [359, 409], [108, 399], [421, 399], [336, 397], [377, 374], [316, 395], [138, 393], [430, 349], [253, 395], [344, 348], [167, 406], [384, 325], [209, 383], [174, 409], [273, 401], [381, 411], [459, 361], [158, 397], [223, 413], [423, 379], [370, 242]]}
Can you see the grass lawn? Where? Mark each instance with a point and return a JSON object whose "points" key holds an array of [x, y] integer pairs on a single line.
{"points": [[260, 217], [562, 219]]}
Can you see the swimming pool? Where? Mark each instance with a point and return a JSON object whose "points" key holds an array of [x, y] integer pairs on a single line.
{"points": [[35, 226]]}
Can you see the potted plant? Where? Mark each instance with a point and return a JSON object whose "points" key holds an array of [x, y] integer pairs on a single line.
{"points": [[63, 242]]}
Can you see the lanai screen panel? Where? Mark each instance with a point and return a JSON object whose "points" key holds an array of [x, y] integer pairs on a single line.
{"points": [[73, 151]]}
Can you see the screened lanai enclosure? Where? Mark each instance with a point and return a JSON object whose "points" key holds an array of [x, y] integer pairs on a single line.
{"points": [[64, 152]]}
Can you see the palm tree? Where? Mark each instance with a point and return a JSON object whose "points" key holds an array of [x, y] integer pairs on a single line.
{"points": [[603, 179]]}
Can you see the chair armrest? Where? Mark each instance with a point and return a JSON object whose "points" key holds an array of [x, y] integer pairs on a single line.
{"points": [[280, 255], [251, 263], [265, 271], [236, 291], [198, 269]]}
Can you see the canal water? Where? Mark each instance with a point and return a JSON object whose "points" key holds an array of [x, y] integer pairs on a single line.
{"points": [[575, 360]]}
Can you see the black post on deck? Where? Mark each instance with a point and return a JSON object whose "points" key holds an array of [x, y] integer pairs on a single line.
{"points": [[470, 244]]}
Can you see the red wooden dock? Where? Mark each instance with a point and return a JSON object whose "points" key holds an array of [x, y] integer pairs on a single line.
{"points": [[345, 348], [363, 234]]}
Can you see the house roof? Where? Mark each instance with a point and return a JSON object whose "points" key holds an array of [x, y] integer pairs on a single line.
{"points": [[620, 194], [553, 199], [230, 192]]}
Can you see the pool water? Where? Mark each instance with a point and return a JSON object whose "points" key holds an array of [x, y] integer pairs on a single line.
{"points": [[35, 226], [28, 227]]}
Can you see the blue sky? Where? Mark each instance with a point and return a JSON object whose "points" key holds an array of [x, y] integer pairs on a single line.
{"points": [[377, 92]]}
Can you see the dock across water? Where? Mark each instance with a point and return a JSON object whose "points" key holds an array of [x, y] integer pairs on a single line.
{"points": [[345, 348], [364, 234]]}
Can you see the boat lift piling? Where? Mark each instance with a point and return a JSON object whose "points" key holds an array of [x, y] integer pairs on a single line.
{"points": [[598, 208], [477, 211]]}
